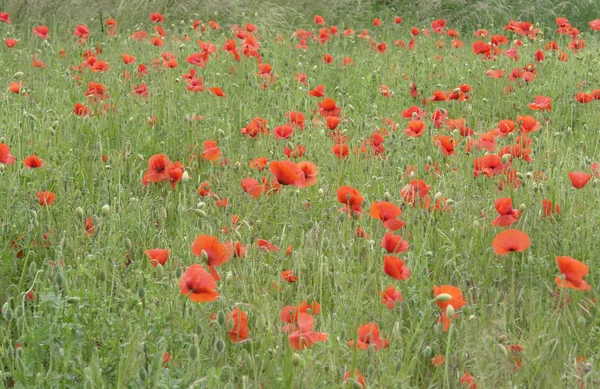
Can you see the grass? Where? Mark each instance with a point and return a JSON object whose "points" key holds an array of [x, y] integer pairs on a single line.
{"points": [[102, 316]]}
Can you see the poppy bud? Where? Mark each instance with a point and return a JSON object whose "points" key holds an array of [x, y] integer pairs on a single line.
{"points": [[387, 196], [55, 125], [219, 345], [321, 192], [520, 176], [450, 310], [296, 359], [127, 243], [341, 217], [412, 174], [193, 352], [476, 224], [105, 211], [2, 166], [142, 374], [229, 276], [506, 158], [371, 369], [204, 255], [427, 352], [443, 297], [221, 318], [32, 269], [17, 75], [141, 293], [79, 212], [7, 312], [19, 311], [237, 165], [102, 276], [59, 279], [437, 196], [504, 350], [429, 254], [522, 207], [450, 202], [200, 213]]}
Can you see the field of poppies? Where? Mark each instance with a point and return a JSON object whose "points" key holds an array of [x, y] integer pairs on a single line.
{"points": [[197, 205]]}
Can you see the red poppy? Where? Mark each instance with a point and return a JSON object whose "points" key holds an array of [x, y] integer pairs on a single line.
{"points": [[319, 91], [41, 31], [541, 103], [237, 321], [455, 300], [394, 243], [32, 162], [211, 151], [508, 215], [579, 179], [158, 256], [81, 110], [157, 17], [217, 92], [252, 187], [287, 172], [351, 198], [573, 271], [6, 157], [415, 129], [198, 284], [390, 296], [510, 241], [357, 376], [468, 379], [90, 228], [388, 213], [212, 251], [10, 43], [46, 198], [548, 208], [5, 18], [438, 360], [416, 193], [288, 275], [301, 335], [158, 169], [368, 336], [395, 268], [237, 250], [265, 245]]}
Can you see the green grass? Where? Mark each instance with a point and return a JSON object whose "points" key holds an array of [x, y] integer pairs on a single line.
{"points": [[96, 322]]}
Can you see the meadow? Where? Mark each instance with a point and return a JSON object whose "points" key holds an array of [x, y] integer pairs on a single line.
{"points": [[195, 204]]}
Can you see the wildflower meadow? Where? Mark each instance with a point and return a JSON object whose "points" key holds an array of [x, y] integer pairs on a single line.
{"points": [[196, 204]]}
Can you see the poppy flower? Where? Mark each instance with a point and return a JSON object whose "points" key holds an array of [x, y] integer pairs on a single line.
{"points": [[112, 26], [388, 213], [6, 157], [415, 129], [495, 73], [157, 17], [357, 377], [368, 336], [541, 103], [390, 296], [90, 228], [198, 284], [416, 193], [158, 169], [32, 162], [438, 360], [265, 245], [15, 87], [573, 271], [318, 20], [480, 47], [46, 198], [310, 174], [158, 256], [81, 110], [211, 151], [319, 91], [10, 43], [548, 208], [508, 215], [456, 301], [510, 241], [212, 251], [287, 172], [579, 179], [328, 107], [217, 92], [394, 267], [468, 379], [5, 18], [446, 144], [351, 198], [340, 150], [41, 31], [528, 123], [237, 321], [252, 187], [394, 243], [283, 132], [301, 335], [516, 351], [237, 250], [584, 97], [288, 275]]}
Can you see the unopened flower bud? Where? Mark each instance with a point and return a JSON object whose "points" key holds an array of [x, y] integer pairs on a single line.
{"points": [[443, 297]]}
